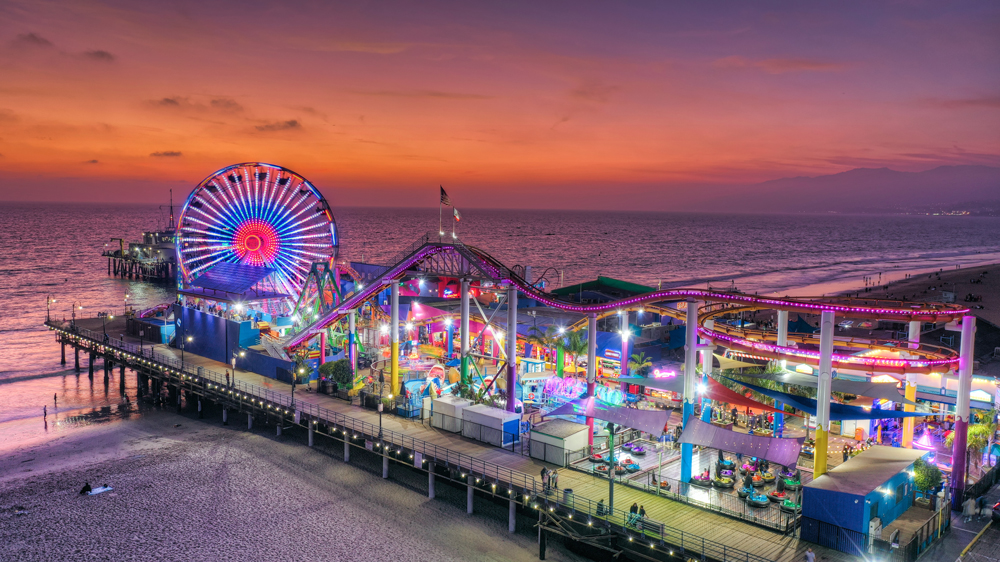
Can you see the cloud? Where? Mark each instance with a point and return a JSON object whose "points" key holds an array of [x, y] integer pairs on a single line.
{"points": [[594, 91], [100, 56], [166, 154], [989, 102], [779, 65], [90, 162], [170, 102], [7, 115], [225, 104], [280, 126], [428, 94], [31, 40]]}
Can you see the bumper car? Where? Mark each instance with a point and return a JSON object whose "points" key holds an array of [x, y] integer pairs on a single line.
{"points": [[746, 467], [726, 464], [723, 482], [728, 473], [632, 468], [598, 458], [664, 485], [745, 492], [638, 450], [788, 506], [701, 481], [758, 500], [786, 473], [602, 469], [792, 484], [768, 477], [757, 481], [777, 497], [627, 447]]}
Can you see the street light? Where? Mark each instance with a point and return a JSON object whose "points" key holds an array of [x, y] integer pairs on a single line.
{"points": [[611, 469], [73, 309], [381, 382], [48, 301], [183, 339], [104, 323]]}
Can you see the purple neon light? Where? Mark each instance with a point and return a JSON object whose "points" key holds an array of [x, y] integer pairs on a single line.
{"points": [[494, 268]]}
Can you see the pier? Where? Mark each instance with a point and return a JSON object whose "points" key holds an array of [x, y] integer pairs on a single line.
{"points": [[672, 530]]}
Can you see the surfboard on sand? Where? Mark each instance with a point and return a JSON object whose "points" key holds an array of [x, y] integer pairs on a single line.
{"points": [[100, 490]]}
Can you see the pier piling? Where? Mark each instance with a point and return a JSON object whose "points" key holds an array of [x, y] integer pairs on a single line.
{"points": [[76, 358], [311, 431], [512, 516], [90, 367], [225, 416], [430, 481], [249, 421], [385, 464], [62, 346], [347, 448], [468, 495], [200, 413]]}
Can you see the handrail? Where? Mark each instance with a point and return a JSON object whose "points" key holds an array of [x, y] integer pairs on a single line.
{"points": [[485, 471]]}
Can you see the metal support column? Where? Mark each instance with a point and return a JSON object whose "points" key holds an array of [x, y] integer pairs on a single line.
{"points": [[827, 325], [62, 349], [959, 471], [76, 358], [464, 331], [706, 369], [591, 369], [347, 448], [394, 332], [385, 462], [511, 348], [468, 495], [690, 383], [249, 420], [910, 388], [352, 341], [779, 417], [312, 430], [430, 480], [512, 517]]}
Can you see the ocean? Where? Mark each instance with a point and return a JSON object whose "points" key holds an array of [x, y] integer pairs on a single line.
{"points": [[54, 250]]}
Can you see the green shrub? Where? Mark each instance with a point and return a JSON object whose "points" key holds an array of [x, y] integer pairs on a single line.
{"points": [[926, 476], [339, 371]]}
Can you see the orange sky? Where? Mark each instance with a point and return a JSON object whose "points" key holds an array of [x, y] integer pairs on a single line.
{"points": [[378, 103]]}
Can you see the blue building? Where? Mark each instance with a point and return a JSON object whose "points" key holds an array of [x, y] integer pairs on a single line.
{"points": [[841, 508]]}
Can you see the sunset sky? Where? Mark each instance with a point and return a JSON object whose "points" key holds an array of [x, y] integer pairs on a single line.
{"points": [[512, 104]]}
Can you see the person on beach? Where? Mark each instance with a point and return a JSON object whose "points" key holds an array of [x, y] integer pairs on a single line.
{"points": [[45, 412], [86, 489], [55, 399]]}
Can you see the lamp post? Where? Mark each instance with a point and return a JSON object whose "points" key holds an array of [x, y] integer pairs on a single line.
{"points": [[104, 323], [48, 301], [183, 339], [381, 382], [73, 311]]}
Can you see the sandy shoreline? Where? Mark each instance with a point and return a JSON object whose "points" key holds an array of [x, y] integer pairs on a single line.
{"points": [[199, 491]]}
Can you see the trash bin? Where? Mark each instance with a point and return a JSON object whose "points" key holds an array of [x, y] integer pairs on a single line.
{"points": [[568, 496]]}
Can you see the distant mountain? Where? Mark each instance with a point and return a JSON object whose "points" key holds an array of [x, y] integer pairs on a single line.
{"points": [[869, 190]]}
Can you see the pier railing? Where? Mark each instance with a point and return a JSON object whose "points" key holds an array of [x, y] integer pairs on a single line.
{"points": [[487, 476]]}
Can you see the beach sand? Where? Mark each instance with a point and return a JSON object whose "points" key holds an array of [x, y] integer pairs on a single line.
{"points": [[199, 491], [928, 287]]}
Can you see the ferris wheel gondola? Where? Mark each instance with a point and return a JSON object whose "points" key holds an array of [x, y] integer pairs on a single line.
{"points": [[259, 215]]}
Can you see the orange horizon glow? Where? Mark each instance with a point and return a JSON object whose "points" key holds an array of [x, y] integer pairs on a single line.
{"points": [[120, 101]]}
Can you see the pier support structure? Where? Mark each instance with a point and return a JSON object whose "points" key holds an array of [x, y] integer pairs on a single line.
{"points": [[62, 349], [347, 448], [385, 462], [312, 430], [910, 388], [430, 481], [959, 470], [76, 358], [511, 347], [827, 325], [90, 366], [690, 383], [464, 335], [469, 494], [225, 416], [591, 369], [394, 332]]}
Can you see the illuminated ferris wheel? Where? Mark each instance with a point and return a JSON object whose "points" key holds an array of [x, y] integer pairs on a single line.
{"points": [[259, 215]]}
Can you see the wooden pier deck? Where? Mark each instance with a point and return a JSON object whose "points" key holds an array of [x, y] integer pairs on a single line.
{"points": [[761, 543]]}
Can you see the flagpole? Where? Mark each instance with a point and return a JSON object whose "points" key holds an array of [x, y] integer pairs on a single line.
{"points": [[439, 221]]}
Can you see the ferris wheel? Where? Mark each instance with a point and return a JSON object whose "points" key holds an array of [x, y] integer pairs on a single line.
{"points": [[260, 215]]}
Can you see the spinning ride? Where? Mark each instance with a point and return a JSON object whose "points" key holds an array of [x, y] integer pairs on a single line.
{"points": [[256, 214]]}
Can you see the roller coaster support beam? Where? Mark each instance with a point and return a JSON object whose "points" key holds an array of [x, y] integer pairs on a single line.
{"points": [[623, 328], [322, 347], [591, 368], [464, 332], [910, 387], [779, 417], [690, 382], [394, 332], [959, 450], [352, 340], [706, 369], [827, 325], [511, 348]]}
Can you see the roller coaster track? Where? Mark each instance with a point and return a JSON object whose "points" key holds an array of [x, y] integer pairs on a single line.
{"points": [[930, 358]]}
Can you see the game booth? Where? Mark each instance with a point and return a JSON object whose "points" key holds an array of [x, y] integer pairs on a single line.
{"points": [[552, 439]]}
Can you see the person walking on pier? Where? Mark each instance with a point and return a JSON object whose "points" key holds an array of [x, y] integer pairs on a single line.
{"points": [[227, 377]]}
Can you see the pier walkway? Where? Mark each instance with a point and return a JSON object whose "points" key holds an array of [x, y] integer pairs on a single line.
{"points": [[698, 531]]}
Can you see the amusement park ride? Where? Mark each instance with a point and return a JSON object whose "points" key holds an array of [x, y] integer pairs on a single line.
{"points": [[258, 243]]}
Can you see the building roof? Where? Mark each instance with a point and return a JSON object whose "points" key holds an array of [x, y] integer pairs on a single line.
{"points": [[232, 278], [559, 428], [864, 473], [604, 284]]}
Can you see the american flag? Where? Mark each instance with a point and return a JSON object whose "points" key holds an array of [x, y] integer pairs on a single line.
{"points": [[444, 197]]}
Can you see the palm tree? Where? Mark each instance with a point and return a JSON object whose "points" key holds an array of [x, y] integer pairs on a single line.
{"points": [[639, 364], [549, 339], [576, 345]]}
